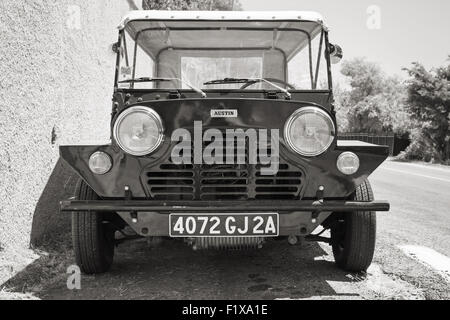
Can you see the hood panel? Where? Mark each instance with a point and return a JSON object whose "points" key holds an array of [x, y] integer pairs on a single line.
{"points": [[248, 113]]}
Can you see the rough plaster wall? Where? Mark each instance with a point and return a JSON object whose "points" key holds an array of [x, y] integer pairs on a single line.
{"points": [[55, 84]]}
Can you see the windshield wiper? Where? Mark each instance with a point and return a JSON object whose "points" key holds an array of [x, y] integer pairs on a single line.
{"points": [[146, 79], [227, 80], [248, 80]]}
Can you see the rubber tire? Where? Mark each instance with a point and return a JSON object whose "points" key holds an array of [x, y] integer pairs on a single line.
{"points": [[93, 240], [356, 233]]}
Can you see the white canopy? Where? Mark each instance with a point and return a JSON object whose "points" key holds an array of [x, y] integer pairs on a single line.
{"points": [[286, 31], [222, 15]]}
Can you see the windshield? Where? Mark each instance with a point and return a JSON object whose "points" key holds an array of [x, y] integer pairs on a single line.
{"points": [[197, 52], [199, 70]]}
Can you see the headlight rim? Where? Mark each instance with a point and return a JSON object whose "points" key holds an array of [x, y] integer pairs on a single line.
{"points": [[100, 153], [298, 113], [153, 114]]}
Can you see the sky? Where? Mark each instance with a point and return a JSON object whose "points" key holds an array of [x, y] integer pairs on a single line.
{"points": [[405, 32]]}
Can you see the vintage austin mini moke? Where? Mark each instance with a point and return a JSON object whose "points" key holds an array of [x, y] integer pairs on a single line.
{"points": [[224, 135]]}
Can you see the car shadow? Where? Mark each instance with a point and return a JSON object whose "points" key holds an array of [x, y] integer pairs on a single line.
{"points": [[49, 226], [172, 270]]}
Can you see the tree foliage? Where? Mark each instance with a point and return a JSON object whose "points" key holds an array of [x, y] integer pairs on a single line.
{"points": [[420, 107], [191, 5], [374, 103], [429, 104]]}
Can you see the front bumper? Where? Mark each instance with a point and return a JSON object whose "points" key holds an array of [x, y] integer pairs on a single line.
{"points": [[221, 206], [151, 218]]}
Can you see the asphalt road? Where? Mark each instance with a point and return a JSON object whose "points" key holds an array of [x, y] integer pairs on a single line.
{"points": [[411, 260]]}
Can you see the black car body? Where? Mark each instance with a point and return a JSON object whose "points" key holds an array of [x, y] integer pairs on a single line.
{"points": [[148, 191]]}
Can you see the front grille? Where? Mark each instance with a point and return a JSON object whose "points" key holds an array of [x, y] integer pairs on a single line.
{"points": [[224, 182], [169, 181]]}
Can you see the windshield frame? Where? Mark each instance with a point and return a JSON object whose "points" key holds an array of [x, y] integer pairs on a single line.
{"points": [[313, 70]]}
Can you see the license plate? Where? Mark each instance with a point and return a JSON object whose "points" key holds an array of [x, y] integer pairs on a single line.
{"points": [[224, 225]]}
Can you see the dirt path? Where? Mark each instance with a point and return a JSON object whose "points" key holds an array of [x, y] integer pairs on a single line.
{"points": [[174, 271]]}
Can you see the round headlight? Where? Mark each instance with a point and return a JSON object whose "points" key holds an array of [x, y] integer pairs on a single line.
{"points": [[309, 131], [100, 163], [348, 163], [138, 131]]}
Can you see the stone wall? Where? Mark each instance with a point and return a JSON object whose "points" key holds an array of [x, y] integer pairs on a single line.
{"points": [[56, 77]]}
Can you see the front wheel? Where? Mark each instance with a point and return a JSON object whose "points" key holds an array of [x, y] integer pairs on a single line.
{"points": [[92, 236], [353, 234]]}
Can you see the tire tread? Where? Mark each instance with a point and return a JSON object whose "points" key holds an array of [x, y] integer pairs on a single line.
{"points": [[360, 238], [92, 252]]}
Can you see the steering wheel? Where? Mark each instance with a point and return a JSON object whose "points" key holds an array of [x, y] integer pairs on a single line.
{"points": [[290, 86]]}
